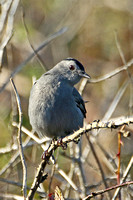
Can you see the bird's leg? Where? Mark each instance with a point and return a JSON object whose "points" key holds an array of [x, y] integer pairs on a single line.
{"points": [[45, 153], [60, 143]]}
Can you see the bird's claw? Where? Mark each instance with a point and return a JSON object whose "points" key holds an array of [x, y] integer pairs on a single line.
{"points": [[60, 143], [44, 156]]}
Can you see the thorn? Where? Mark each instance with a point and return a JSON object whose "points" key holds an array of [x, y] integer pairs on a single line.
{"points": [[76, 140], [118, 154], [121, 142], [44, 177]]}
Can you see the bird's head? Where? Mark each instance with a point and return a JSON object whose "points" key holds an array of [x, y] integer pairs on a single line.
{"points": [[71, 70]]}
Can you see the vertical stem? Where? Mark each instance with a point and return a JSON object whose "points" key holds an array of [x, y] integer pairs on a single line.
{"points": [[99, 165], [119, 156], [20, 140], [119, 159]]}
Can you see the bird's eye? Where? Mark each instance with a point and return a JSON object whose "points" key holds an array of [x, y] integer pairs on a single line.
{"points": [[71, 67]]}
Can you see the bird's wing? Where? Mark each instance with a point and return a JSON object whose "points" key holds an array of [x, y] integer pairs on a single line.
{"points": [[79, 102]]}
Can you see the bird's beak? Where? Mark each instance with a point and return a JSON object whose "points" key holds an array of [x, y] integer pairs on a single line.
{"points": [[84, 74]]}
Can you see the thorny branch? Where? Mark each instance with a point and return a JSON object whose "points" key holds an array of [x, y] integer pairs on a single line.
{"points": [[73, 137], [106, 190], [130, 165]]}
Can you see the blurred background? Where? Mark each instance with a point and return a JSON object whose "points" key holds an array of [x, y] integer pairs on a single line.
{"points": [[97, 31]]}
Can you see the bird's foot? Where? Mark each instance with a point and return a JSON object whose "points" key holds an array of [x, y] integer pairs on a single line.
{"points": [[44, 156], [60, 143]]}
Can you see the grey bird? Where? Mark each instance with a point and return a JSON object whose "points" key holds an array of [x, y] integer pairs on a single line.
{"points": [[56, 108]]}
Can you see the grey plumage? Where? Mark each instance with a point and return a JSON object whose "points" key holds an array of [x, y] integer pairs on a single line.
{"points": [[55, 107]]}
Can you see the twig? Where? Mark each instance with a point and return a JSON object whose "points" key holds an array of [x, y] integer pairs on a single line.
{"points": [[8, 148], [71, 171], [112, 73], [79, 173], [27, 33], [119, 48], [66, 177], [53, 172], [122, 55], [115, 101], [128, 72], [93, 194], [14, 157], [119, 152], [119, 157], [20, 140], [19, 67], [92, 186], [130, 165], [99, 164], [51, 178], [18, 184], [82, 86], [131, 100], [8, 9], [11, 161], [79, 169], [58, 194], [31, 135], [11, 196], [11, 182]]}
